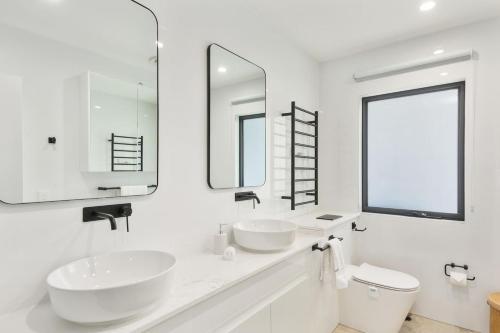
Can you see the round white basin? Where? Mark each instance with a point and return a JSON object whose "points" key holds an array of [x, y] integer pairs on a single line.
{"points": [[265, 235], [111, 287]]}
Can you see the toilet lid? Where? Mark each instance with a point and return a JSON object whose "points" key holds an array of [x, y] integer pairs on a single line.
{"points": [[385, 278]]}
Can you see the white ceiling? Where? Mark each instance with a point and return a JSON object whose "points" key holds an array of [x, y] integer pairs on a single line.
{"points": [[328, 29]]}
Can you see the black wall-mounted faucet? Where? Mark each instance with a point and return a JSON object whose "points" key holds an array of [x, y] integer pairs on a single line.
{"points": [[244, 196], [111, 213], [110, 217]]}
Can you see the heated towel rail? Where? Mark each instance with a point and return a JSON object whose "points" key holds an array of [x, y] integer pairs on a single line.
{"points": [[127, 153], [305, 129]]}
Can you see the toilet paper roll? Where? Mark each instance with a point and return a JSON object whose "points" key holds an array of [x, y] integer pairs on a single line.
{"points": [[458, 279]]}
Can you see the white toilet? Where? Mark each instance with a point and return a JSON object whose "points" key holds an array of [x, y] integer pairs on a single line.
{"points": [[377, 300]]}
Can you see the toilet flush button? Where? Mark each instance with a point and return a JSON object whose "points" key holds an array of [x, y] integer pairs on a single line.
{"points": [[373, 292]]}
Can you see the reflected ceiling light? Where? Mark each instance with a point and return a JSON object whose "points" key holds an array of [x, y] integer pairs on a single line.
{"points": [[428, 5], [438, 51], [97, 107], [222, 69], [159, 44], [444, 74]]}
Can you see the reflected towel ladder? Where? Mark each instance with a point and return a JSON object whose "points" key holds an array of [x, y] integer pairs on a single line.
{"points": [[122, 148]]}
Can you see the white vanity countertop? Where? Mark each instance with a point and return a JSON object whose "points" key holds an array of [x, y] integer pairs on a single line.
{"points": [[310, 221], [198, 277]]}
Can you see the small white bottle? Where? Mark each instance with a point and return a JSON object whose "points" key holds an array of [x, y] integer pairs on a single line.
{"points": [[220, 241]]}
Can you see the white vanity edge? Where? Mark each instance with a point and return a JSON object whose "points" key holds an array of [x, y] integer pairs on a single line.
{"points": [[310, 222], [198, 278]]}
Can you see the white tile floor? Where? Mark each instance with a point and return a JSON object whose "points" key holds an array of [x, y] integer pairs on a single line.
{"points": [[417, 325]]}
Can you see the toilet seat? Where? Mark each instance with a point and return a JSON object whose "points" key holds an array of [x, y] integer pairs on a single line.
{"points": [[385, 278]]}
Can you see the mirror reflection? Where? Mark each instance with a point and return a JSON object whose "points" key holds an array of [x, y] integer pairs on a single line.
{"points": [[78, 100], [237, 120]]}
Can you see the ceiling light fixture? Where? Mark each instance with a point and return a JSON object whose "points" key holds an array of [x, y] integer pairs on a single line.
{"points": [[222, 69], [444, 74], [438, 51], [159, 44], [428, 5]]}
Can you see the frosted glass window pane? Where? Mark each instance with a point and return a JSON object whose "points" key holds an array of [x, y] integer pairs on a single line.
{"points": [[413, 152]]}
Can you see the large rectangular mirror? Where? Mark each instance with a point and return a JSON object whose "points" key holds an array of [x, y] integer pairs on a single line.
{"points": [[236, 120], [78, 100]]}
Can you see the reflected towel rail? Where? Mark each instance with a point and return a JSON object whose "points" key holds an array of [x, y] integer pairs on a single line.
{"points": [[116, 146], [102, 188]]}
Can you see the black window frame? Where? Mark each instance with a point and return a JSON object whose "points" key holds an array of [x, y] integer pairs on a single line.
{"points": [[460, 215], [241, 159]]}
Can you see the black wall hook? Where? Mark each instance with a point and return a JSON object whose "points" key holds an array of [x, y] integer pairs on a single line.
{"points": [[354, 228], [453, 265]]}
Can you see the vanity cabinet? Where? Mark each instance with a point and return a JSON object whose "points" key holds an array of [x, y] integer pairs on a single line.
{"points": [[291, 313], [259, 322], [285, 298]]}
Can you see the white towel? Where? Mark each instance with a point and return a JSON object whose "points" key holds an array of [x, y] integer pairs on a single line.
{"points": [[342, 279], [337, 255], [337, 263], [133, 190], [325, 262]]}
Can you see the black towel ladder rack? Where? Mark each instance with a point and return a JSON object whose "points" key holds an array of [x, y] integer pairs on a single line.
{"points": [[294, 144]]}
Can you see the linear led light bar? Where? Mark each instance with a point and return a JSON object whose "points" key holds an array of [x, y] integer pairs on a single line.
{"points": [[434, 61]]}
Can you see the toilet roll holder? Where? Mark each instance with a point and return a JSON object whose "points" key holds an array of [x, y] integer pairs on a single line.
{"points": [[453, 265]]}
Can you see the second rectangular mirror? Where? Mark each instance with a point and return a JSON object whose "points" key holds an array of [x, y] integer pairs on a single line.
{"points": [[78, 100], [236, 121]]}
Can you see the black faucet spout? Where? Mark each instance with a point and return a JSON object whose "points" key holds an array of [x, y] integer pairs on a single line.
{"points": [[110, 217], [244, 196]]}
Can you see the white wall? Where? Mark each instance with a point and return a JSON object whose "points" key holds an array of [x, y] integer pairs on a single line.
{"points": [[418, 246], [11, 105], [182, 215]]}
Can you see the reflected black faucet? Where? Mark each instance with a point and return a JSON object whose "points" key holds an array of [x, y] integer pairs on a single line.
{"points": [[244, 196], [110, 217]]}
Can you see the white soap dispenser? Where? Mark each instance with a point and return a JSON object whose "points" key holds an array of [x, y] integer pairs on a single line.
{"points": [[220, 241]]}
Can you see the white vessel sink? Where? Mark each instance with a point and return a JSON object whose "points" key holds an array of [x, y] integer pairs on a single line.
{"points": [[111, 287], [265, 235]]}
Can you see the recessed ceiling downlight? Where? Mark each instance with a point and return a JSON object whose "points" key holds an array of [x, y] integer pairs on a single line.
{"points": [[427, 5], [222, 69], [438, 52]]}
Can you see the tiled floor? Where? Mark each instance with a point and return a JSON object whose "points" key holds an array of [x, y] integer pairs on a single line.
{"points": [[417, 325]]}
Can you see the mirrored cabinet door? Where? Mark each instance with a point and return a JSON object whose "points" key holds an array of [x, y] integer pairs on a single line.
{"points": [[237, 120], [78, 100]]}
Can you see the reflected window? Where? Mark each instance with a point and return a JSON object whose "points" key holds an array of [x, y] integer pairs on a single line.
{"points": [[252, 149]]}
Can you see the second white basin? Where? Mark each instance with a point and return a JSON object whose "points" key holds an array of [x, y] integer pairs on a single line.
{"points": [[110, 287], [265, 235]]}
